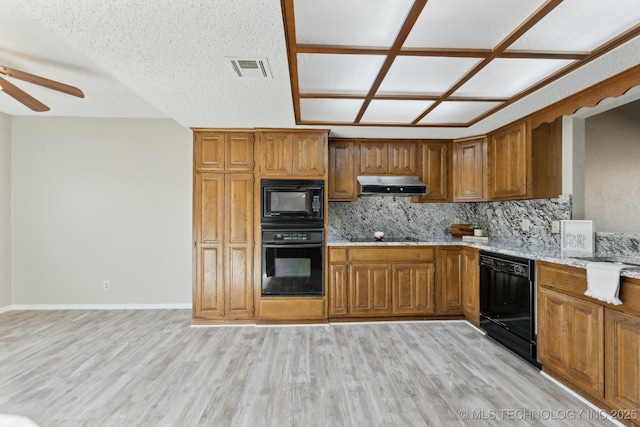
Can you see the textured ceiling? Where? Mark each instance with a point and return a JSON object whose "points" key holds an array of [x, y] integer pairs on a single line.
{"points": [[170, 58]]}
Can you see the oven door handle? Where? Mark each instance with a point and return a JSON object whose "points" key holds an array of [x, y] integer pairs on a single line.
{"points": [[294, 246]]}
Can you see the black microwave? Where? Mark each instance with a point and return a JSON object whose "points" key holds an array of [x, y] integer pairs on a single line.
{"points": [[297, 201]]}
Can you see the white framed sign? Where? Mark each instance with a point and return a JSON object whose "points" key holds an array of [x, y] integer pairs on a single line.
{"points": [[576, 236]]}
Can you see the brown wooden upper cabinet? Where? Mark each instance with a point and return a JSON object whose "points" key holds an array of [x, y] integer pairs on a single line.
{"points": [[292, 154], [433, 170], [469, 171], [525, 163], [510, 159], [228, 150], [388, 157], [343, 163]]}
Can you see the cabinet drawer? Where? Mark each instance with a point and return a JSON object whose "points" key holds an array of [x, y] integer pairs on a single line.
{"points": [[391, 254], [571, 279], [293, 309], [630, 296], [338, 255]]}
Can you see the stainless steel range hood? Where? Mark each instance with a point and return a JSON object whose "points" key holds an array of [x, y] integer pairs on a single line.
{"points": [[392, 185]]}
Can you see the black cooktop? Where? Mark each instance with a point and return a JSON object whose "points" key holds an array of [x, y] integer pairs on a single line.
{"points": [[386, 239]]}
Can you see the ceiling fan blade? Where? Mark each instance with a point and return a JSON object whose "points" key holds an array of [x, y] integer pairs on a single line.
{"points": [[41, 81], [22, 96]]}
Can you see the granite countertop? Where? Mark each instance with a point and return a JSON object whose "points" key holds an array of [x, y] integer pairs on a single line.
{"points": [[538, 253]]}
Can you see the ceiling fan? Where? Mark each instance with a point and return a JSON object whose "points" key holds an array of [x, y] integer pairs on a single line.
{"points": [[27, 99]]}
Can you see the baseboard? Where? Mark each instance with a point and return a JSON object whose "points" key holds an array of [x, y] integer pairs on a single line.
{"points": [[599, 410], [98, 307], [5, 309]]}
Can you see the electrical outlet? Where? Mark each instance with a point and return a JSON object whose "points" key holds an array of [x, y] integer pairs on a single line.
{"points": [[526, 224], [106, 285], [456, 220], [555, 227], [337, 223]]}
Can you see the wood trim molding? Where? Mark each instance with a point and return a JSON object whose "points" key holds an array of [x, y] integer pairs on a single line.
{"points": [[610, 88]]}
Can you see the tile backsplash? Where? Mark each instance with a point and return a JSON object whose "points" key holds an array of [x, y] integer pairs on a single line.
{"points": [[397, 216]]}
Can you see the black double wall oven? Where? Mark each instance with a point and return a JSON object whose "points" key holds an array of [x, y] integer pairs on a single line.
{"points": [[292, 222]]}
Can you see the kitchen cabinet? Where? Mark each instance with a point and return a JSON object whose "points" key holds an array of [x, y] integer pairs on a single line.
{"points": [[469, 171], [369, 289], [450, 293], [344, 161], [525, 163], [433, 170], [223, 246], [381, 281], [589, 344], [471, 285], [571, 339], [546, 141], [388, 158], [509, 158], [284, 154], [622, 358], [220, 151], [412, 289]]}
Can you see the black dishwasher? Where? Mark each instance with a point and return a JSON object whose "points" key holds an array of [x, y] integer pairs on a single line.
{"points": [[507, 302]]}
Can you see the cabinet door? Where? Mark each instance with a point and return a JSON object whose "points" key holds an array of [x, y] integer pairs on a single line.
{"points": [[276, 154], [403, 158], [469, 170], [509, 158], [471, 285], [238, 151], [450, 287], [434, 171], [208, 293], [370, 290], [342, 185], [571, 339], [208, 151], [374, 158], [239, 248], [338, 297], [622, 360], [309, 154], [413, 287]]}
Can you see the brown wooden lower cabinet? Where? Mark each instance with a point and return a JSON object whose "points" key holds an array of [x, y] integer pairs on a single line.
{"points": [[571, 339], [392, 281], [590, 345], [412, 288], [622, 373], [471, 285], [451, 278]]}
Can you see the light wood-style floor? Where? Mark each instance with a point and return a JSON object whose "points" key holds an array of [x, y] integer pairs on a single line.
{"points": [[151, 368]]}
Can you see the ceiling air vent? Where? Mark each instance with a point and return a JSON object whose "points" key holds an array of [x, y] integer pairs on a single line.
{"points": [[251, 67]]}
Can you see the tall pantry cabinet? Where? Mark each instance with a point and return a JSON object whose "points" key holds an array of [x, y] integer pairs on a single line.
{"points": [[223, 226]]}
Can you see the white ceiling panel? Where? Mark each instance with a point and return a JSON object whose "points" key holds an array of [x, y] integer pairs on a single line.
{"points": [[468, 23], [508, 77], [329, 110], [342, 74], [373, 23], [424, 74], [394, 111], [580, 25], [457, 112]]}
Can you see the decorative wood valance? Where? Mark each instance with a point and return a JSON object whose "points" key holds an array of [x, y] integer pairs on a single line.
{"points": [[609, 88]]}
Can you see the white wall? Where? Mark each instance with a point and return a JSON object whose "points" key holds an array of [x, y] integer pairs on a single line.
{"points": [[612, 176], [5, 210], [100, 199]]}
